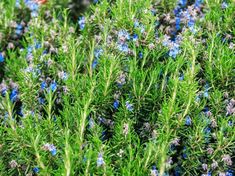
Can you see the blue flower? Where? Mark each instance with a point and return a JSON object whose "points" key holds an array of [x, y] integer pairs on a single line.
{"points": [[103, 135], [207, 131], [98, 53], [136, 23], [43, 85], [229, 172], [20, 112], [38, 45], [30, 49], [1, 57], [207, 87], [13, 95], [183, 2], [100, 160], [34, 13], [177, 23], [36, 170], [63, 75], [184, 155], [198, 3], [224, 5], [91, 123], [115, 104], [140, 55], [174, 51], [17, 3], [129, 106], [197, 99], [53, 86], [81, 22], [123, 47], [94, 63], [191, 23], [33, 6], [230, 123], [52, 149], [188, 121], [181, 78], [19, 27], [4, 91], [41, 100], [206, 94], [206, 109], [18, 32], [209, 173], [154, 171], [142, 29], [177, 10], [177, 171], [53, 152], [135, 37], [123, 33]]}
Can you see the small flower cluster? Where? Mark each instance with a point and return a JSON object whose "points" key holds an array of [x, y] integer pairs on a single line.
{"points": [[50, 147], [31, 4], [123, 37]]}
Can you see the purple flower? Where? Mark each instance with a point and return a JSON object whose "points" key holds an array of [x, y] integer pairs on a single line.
{"points": [[224, 5], [3, 89], [63, 75], [51, 148], [227, 160]]}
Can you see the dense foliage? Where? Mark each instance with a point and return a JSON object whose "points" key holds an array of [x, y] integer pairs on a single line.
{"points": [[121, 87]]}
